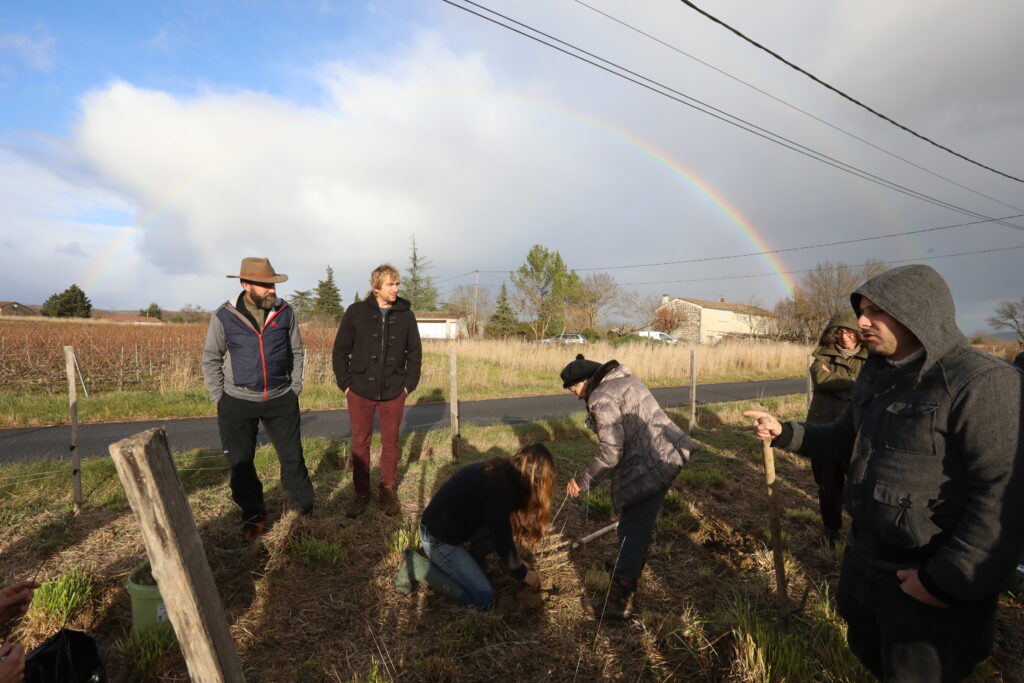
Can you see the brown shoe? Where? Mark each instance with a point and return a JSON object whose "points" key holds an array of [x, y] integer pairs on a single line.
{"points": [[389, 501], [358, 504]]}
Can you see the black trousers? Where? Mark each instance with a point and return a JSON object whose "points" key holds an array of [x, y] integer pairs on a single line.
{"points": [[239, 421], [829, 475], [901, 639]]}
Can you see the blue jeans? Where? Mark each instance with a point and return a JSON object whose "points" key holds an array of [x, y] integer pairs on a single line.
{"points": [[636, 526], [456, 562]]}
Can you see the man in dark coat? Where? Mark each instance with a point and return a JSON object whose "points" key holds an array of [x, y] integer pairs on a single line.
{"points": [[376, 358], [935, 458]]}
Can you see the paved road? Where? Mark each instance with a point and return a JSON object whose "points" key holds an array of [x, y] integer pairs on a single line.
{"points": [[32, 443]]}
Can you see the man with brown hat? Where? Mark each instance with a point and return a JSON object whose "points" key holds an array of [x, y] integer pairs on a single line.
{"points": [[252, 367]]}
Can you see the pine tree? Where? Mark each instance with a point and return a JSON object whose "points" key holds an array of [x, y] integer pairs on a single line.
{"points": [[327, 300], [301, 301], [504, 321], [417, 286], [71, 303], [152, 312]]}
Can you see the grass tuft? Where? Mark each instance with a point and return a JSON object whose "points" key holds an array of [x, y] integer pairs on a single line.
{"points": [[62, 599], [146, 653]]}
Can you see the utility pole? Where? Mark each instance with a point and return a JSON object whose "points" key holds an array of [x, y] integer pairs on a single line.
{"points": [[476, 297]]}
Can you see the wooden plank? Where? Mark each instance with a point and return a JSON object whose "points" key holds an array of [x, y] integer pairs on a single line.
{"points": [[176, 555], [454, 399], [693, 390], [76, 456]]}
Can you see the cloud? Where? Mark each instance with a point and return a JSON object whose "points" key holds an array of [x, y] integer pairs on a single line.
{"points": [[409, 149], [35, 51], [74, 249]]}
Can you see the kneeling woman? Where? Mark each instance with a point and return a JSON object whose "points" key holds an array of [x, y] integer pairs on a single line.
{"points": [[506, 501]]}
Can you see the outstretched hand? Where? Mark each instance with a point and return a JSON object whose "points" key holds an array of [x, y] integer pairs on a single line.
{"points": [[15, 599], [766, 427]]}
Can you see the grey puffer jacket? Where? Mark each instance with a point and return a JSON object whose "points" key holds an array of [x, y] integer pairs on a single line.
{"points": [[936, 455], [638, 443]]}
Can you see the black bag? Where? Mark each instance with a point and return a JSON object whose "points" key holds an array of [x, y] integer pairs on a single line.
{"points": [[66, 657]]}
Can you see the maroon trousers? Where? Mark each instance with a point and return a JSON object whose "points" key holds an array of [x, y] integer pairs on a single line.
{"points": [[360, 415]]}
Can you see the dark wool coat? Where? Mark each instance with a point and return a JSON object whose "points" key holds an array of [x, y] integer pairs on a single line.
{"points": [[934, 449], [376, 358]]}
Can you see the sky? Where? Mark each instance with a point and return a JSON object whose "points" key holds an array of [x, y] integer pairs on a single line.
{"points": [[145, 148]]}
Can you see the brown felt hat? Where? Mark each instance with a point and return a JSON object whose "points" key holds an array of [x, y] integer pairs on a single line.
{"points": [[258, 270]]}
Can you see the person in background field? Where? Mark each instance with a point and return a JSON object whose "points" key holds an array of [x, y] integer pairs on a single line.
{"points": [[494, 505], [836, 364], [14, 603], [642, 449], [935, 463], [376, 359], [252, 368]]}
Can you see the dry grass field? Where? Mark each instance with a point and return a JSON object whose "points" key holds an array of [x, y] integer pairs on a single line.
{"points": [[313, 600], [133, 372]]}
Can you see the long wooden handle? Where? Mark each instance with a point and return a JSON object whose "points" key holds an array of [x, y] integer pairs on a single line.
{"points": [[773, 524]]}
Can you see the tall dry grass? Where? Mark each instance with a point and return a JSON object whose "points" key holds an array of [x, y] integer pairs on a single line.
{"points": [[653, 363]]}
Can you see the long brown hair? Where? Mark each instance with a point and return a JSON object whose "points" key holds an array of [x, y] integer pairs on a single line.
{"points": [[532, 472]]}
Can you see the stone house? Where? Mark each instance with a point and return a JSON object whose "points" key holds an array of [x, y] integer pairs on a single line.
{"points": [[698, 321]]}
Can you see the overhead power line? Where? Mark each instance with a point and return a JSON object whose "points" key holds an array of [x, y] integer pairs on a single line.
{"points": [[844, 95], [703, 107], [782, 101], [766, 252], [811, 270]]}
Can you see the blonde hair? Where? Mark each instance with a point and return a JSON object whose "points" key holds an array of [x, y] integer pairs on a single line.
{"points": [[382, 274]]}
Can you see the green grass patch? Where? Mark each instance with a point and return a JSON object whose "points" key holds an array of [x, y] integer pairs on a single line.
{"points": [[704, 478], [318, 554], [63, 598], [147, 653], [598, 503]]}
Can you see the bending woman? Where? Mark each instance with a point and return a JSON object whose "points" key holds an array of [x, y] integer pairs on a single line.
{"points": [[837, 362], [505, 502], [642, 449]]}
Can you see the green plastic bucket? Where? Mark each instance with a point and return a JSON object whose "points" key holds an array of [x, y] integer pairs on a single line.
{"points": [[148, 609]]}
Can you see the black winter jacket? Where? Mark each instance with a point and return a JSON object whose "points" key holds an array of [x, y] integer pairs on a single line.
{"points": [[374, 362], [934, 449]]}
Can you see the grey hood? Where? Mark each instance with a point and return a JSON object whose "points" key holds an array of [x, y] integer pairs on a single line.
{"points": [[918, 297]]}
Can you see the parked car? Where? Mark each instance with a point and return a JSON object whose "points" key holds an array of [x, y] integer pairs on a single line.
{"points": [[657, 336], [565, 338]]}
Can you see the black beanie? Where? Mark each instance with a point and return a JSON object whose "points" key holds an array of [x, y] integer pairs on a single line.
{"points": [[578, 370]]}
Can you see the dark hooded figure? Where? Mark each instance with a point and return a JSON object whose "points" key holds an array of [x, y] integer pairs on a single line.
{"points": [[935, 463]]}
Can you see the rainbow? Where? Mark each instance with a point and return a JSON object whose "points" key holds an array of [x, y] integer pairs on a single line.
{"points": [[732, 214]]}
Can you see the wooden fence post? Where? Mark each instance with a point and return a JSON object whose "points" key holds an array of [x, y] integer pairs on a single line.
{"points": [[693, 390], [810, 382], [454, 400], [176, 556], [76, 456]]}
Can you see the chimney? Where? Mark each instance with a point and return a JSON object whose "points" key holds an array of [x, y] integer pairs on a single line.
{"points": [[664, 299]]}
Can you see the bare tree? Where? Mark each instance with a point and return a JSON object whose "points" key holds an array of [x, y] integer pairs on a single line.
{"points": [[473, 302], [596, 294], [638, 308], [822, 294], [1010, 314], [760, 322]]}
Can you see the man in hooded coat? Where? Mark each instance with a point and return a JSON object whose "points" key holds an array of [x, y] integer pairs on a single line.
{"points": [[932, 443]]}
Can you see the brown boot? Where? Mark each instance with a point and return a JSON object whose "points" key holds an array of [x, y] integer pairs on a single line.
{"points": [[617, 603], [389, 501], [358, 504]]}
